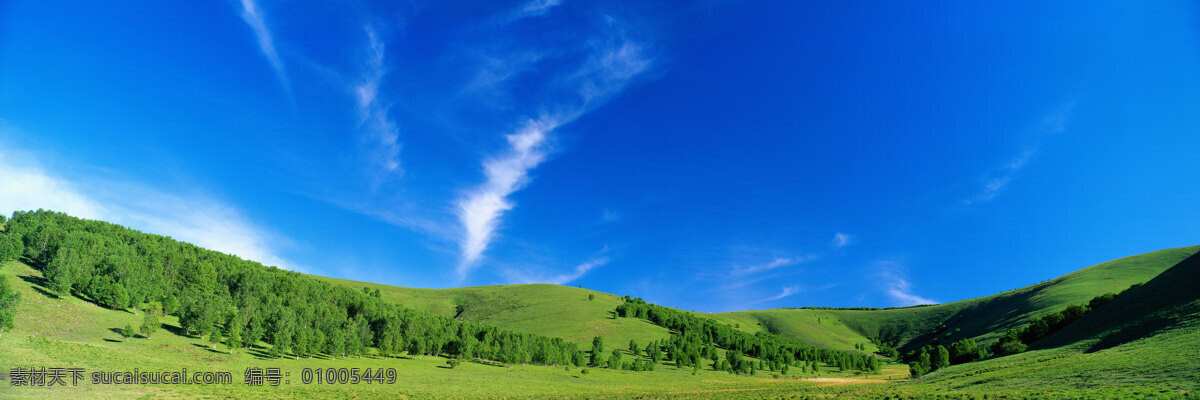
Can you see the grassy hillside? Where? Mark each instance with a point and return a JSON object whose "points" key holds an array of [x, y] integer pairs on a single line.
{"points": [[553, 310], [983, 318], [65, 331], [565, 312]]}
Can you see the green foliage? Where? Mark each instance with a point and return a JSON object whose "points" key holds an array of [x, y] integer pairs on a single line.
{"points": [[966, 350], [117, 267], [453, 363], [1008, 344], [941, 358], [150, 319], [127, 332], [591, 297], [9, 299], [693, 333], [10, 248]]}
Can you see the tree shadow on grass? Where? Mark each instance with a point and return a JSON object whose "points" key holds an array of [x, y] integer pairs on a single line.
{"points": [[210, 349], [176, 330], [40, 285]]}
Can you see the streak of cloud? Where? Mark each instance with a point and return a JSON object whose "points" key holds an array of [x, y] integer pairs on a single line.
{"points": [[253, 16]]}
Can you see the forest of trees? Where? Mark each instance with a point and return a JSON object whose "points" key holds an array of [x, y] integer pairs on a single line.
{"points": [[237, 302], [694, 339]]}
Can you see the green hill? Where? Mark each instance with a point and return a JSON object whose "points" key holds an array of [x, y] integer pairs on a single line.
{"points": [[983, 318], [552, 310], [80, 282]]}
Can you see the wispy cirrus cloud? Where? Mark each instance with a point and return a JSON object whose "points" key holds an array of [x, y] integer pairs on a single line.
{"points": [[253, 15], [897, 287], [841, 240], [613, 62], [533, 8], [999, 179], [191, 217], [775, 263], [578, 272], [786, 291], [383, 136]]}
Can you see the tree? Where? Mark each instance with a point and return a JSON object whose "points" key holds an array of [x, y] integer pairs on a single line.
{"points": [[965, 350], [150, 321], [214, 337], [453, 362], [1010, 343], [614, 361], [8, 305], [915, 369], [591, 297], [941, 358], [233, 338], [597, 351], [127, 332], [633, 348], [10, 248]]}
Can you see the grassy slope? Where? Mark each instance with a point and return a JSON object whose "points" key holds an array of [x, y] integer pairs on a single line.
{"points": [[1147, 338], [551, 310], [983, 318], [55, 331], [1160, 325]]}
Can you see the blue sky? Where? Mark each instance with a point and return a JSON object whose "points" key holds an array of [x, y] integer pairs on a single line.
{"points": [[710, 155]]}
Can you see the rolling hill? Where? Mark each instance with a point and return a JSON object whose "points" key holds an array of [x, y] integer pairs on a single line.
{"points": [[563, 311], [1141, 344]]}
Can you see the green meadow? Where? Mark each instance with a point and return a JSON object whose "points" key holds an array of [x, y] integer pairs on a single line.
{"points": [[1143, 345]]}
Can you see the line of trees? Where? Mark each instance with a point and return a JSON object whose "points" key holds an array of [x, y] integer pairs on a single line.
{"points": [[239, 302], [929, 359], [1016, 341], [696, 338]]}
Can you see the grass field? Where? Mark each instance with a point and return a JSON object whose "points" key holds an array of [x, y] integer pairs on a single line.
{"points": [[1155, 353]]}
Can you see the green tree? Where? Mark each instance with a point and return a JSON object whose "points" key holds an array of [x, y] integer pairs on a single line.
{"points": [[597, 351], [233, 337], [614, 361], [150, 319], [453, 363], [941, 358], [9, 299], [127, 332], [214, 337], [633, 348], [591, 297], [915, 370]]}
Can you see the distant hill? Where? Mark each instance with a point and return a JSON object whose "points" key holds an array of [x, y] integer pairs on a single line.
{"points": [[565, 312], [983, 318], [552, 310]]}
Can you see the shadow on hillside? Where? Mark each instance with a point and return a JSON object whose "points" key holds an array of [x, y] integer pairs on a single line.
{"points": [[210, 348], [113, 341], [176, 330], [40, 285], [489, 363]]}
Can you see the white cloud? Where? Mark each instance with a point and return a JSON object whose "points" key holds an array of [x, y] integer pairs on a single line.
{"points": [[578, 272], [534, 8], [254, 17], [787, 291], [841, 240], [479, 212], [382, 132], [998, 180], [614, 61], [193, 218], [778, 262], [897, 287]]}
